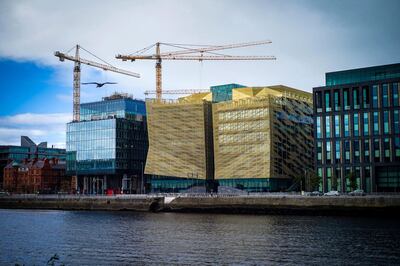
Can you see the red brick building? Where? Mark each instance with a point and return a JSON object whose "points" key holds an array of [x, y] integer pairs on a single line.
{"points": [[36, 176]]}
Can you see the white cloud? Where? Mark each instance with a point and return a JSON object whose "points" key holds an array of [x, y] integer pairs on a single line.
{"points": [[35, 29], [39, 127], [309, 39]]}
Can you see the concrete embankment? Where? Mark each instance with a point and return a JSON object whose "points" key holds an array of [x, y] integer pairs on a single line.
{"points": [[303, 205], [114, 203], [257, 204]]}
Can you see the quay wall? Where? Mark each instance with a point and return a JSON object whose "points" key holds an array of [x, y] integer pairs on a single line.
{"points": [[274, 204]]}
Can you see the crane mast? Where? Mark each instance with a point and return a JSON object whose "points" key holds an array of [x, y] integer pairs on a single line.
{"points": [[186, 53], [77, 75], [77, 87]]}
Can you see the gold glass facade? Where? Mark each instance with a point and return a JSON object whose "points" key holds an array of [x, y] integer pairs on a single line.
{"points": [[264, 132], [179, 137], [257, 141]]}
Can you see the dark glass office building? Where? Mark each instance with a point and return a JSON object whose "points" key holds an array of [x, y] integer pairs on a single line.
{"points": [[106, 149], [357, 130]]}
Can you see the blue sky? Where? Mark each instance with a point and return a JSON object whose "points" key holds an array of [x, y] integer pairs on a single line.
{"points": [[308, 37]]}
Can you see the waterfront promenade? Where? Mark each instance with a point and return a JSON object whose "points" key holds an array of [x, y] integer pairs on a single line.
{"points": [[260, 203]]}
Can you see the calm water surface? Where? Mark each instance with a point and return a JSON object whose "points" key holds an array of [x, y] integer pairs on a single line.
{"points": [[107, 238]]}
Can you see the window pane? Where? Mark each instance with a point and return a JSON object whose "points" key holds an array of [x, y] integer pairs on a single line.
{"points": [[356, 122], [376, 123], [337, 126], [346, 125], [375, 93], [366, 124], [385, 95], [328, 126], [328, 106]]}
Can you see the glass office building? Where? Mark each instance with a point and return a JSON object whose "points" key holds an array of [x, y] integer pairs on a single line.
{"points": [[357, 129], [106, 150]]}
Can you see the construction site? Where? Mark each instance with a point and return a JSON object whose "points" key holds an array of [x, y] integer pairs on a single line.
{"points": [[230, 137]]}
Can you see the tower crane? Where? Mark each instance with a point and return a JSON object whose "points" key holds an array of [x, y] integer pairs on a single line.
{"points": [[77, 74], [190, 52]]}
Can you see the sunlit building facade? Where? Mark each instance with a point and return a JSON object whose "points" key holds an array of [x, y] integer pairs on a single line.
{"points": [[180, 143], [263, 138], [252, 139], [357, 128], [106, 150]]}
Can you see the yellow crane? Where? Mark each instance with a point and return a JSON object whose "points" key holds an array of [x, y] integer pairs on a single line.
{"points": [[77, 74], [190, 52]]}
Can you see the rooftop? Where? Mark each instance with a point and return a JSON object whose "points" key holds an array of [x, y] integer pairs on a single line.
{"points": [[362, 74]]}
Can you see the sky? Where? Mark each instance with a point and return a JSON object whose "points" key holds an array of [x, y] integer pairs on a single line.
{"points": [[308, 38]]}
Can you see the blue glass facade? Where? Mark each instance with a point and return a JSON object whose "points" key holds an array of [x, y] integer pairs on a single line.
{"points": [[222, 93], [362, 75], [108, 144], [113, 108]]}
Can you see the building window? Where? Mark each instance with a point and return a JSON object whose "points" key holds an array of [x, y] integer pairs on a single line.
{"points": [[356, 151], [357, 172], [346, 125], [356, 98], [329, 178], [396, 118], [386, 128], [338, 176], [377, 151], [337, 151], [375, 93], [319, 152], [366, 124], [365, 92], [395, 97], [366, 151], [347, 151], [376, 123], [319, 132], [337, 100], [385, 95], [328, 106], [337, 126], [346, 100], [328, 157], [386, 149], [318, 101], [367, 175], [397, 149], [356, 124], [347, 171], [328, 127]]}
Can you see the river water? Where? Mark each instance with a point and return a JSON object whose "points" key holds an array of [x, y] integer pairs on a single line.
{"points": [[32, 237]]}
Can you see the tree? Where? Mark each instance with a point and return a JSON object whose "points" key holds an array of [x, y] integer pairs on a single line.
{"points": [[352, 181], [315, 180]]}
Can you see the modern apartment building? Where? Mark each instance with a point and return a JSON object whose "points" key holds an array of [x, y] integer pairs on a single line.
{"points": [[106, 149], [357, 130]]}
